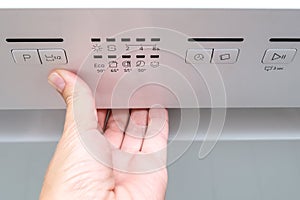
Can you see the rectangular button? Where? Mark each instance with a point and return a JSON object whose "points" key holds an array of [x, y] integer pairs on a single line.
{"points": [[53, 56], [26, 56], [198, 56], [225, 56], [279, 56]]}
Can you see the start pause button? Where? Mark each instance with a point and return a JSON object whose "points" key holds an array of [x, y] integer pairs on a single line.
{"points": [[279, 56]]}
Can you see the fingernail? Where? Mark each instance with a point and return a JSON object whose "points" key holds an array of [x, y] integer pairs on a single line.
{"points": [[56, 81]]}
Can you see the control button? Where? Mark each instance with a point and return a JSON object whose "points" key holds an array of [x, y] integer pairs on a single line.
{"points": [[225, 56], [53, 56], [198, 56], [279, 56], [26, 56]]}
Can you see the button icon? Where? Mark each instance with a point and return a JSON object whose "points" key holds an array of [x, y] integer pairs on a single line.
{"points": [[279, 56], [154, 64], [126, 63], [111, 47], [225, 56], [96, 48], [23, 56], [198, 56], [113, 64], [26, 57], [53, 56], [140, 63]]}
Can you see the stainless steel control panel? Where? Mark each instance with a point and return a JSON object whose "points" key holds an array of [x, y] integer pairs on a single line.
{"points": [[148, 57]]}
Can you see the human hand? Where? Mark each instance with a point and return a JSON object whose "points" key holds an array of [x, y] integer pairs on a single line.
{"points": [[74, 173]]}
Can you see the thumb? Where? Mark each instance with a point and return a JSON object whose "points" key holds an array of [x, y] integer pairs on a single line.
{"points": [[81, 111]]}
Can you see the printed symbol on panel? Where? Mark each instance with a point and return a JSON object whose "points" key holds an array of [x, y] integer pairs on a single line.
{"points": [[198, 57], [142, 70], [113, 64], [96, 48], [100, 70], [140, 63], [99, 65], [127, 70], [97, 56], [126, 63], [273, 68], [276, 56], [155, 48], [52, 58], [26, 57], [268, 68], [111, 47], [154, 64], [225, 56]]}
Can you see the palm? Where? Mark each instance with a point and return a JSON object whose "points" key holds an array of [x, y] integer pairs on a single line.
{"points": [[74, 168], [128, 185]]}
